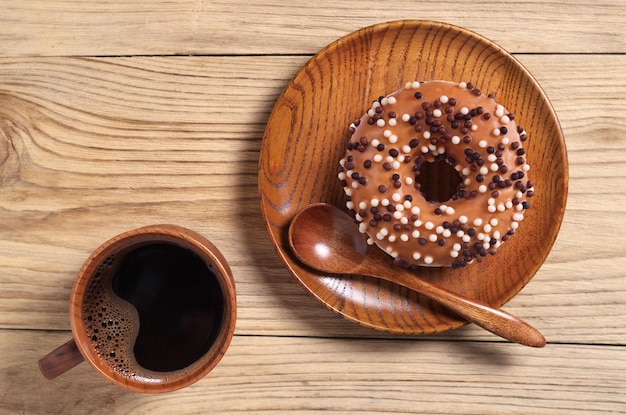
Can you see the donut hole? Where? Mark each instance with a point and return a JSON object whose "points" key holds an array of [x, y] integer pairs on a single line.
{"points": [[438, 181]]}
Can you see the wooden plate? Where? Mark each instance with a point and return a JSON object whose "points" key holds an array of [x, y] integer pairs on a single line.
{"points": [[307, 131]]}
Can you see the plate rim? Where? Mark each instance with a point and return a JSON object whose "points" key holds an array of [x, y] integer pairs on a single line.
{"points": [[281, 248]]}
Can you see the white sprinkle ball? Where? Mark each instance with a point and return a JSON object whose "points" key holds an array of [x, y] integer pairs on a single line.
{"points": [[387, 133], [443, 99], [391, 100], [380, 122], [392, 122], [437, 113], [406, 117], [455, 139]]}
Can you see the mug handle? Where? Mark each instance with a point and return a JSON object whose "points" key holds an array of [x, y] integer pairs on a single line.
{"points": [[60, 360]]}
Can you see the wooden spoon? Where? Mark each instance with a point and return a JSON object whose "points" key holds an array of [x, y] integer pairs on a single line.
{"points": [[325, 238]]}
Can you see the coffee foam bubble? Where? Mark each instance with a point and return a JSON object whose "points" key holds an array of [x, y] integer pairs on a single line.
{"points": [[112, 324]]}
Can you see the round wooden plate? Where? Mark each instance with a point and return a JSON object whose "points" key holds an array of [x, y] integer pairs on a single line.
{"points": [[307, 131]]}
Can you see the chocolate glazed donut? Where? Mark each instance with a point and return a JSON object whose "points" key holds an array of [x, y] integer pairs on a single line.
{"points": [[402, 137]]}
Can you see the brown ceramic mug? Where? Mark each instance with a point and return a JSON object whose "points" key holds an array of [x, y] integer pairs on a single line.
{"points": [[152, 310]]}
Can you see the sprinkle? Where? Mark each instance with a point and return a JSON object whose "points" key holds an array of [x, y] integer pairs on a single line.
{"points": [[496, 132], [465, 110], [416, 255], [433, 238], [455, 139], [380, 122], [499, 111], [463, 219], [406, 117], [415, 84], [429, 225], [391, 100], [392, 122], [482, 188], [478, 222], [404, 237], [443, 99], [482, 144], [437, 113], [428, 260], [387, 133], [393, 139]]}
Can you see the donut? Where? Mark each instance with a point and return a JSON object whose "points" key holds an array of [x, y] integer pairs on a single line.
{"points": [[405, 143]]}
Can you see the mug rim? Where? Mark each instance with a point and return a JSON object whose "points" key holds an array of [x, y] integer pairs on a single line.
{"points": [[135, 238]]}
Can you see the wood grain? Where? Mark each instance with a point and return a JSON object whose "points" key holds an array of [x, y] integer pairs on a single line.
{"points": [[338, 376], [115, 115], [183, 27], [165, 170]]}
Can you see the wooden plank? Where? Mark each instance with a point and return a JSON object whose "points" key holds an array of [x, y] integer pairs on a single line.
{"points": [[270, 375], [93, 147], [162, 27]]}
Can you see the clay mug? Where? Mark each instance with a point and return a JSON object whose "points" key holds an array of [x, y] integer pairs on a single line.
{"points": [[152, 310]]}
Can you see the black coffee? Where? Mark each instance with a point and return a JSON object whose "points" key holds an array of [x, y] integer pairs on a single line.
{"points": [[157, 307]]}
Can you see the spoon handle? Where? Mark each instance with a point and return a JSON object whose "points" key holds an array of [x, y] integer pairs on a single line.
{"points": [[494, 320]]}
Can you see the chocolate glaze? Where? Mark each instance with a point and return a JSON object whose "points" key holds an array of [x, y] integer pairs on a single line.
{"points": [[436, 121]]}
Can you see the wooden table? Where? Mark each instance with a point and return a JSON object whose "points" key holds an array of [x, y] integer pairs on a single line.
{"points": [[116, 114]]}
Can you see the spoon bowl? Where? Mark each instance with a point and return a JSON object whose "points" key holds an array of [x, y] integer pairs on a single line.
{"points": [[325, 238]]}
